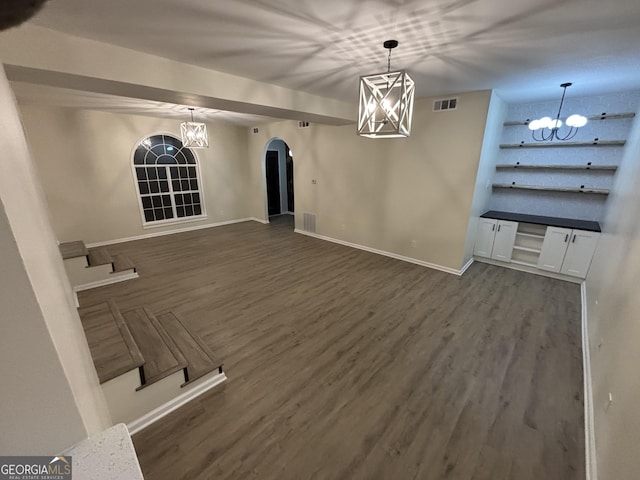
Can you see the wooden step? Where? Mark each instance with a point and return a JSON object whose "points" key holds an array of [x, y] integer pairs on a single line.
{"points": [[99, 256], [112, 346], [122, 263], [73, 249], [162, 356], [200, 359]]}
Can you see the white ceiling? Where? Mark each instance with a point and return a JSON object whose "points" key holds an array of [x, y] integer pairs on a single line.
{"points": [[523, 48]]}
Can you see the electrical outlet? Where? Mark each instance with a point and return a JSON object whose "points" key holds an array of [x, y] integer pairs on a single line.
{"points": [[414, 243], [343, 227]]}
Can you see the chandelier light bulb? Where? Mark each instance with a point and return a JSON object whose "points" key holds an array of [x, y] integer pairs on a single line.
{"points": [[576, 121], [545, 122], [555, 124]]}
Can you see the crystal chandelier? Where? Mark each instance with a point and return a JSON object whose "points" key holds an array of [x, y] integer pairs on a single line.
{"points": [[194, 134], [386, 102], [549, 128]]}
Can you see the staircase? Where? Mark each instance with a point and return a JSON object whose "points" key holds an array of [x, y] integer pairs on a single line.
{"points": [[90, 268], [148, 364]]}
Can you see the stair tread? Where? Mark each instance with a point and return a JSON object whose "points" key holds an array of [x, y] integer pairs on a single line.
{"points": [[112, 347], [73, 249], [99, 256], [197, 354], [162, 357], [122, 263]]}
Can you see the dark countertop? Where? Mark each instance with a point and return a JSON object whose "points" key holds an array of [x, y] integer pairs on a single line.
{"points": [[587, 225]]}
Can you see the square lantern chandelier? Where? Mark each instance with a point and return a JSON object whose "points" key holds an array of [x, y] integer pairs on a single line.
{"points": [[194, 134], [385, 107]]}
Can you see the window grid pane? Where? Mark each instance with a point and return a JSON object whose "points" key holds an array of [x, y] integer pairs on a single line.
{"points": [[166, 190]]}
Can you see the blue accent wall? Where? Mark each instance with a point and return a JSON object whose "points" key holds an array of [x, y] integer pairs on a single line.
{"points": [[559, 204]]}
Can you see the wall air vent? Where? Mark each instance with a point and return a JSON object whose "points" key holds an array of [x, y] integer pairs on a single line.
{"points": [[446, 104], [309, 222]]}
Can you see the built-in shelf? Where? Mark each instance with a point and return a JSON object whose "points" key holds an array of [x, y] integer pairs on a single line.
{"points": [[530, 235], [528, 166], [599, 191], [593, 143], [527, 249], [604, 116]]}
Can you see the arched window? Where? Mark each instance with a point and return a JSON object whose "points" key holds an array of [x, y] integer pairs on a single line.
{"points": [[168, 180]]}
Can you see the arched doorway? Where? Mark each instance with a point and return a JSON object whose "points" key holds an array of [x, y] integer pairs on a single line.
{"points": [[278, 169]]}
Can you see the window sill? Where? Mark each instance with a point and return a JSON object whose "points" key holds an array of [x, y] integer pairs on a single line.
{"points": [[165, 223]]}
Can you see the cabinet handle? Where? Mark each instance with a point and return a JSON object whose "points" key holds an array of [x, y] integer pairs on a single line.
{"points": [[566, 237], [574, 239], [499, 227], [494, 228]]}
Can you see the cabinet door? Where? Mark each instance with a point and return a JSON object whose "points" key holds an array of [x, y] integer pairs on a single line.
{"points": [[485, 237], [505, 238], [554, 247], [579, 253]]}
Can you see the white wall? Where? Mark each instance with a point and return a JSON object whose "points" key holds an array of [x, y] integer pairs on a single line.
{"points": [[51, 397], [614, 324], [486, 169], [384, 193], [84, 160]]}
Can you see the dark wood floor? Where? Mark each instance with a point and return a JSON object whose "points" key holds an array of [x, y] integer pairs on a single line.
{"points": [[349, 365]]}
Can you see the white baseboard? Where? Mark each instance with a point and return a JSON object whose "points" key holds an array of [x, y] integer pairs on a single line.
{"points": [[591, 469], [259, 220], [533, 270], [163, 410], [385, 253], [466, 266], [170, 232], [106, 281]]}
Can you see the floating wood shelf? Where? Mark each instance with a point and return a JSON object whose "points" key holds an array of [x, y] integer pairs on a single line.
{"points": [[557, 167], [604, 116], [594, 143], [598, 191]]}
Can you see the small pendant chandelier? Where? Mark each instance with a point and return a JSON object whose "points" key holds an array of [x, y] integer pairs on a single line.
{"points": [[385, 108], [194, 134], [548, 129]]}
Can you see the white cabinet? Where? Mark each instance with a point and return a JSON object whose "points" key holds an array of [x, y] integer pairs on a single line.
{"points": [[486, 236], [495, 239], [580, 251], [505, 238], [536, 247], [553, 249], [567, 251]]}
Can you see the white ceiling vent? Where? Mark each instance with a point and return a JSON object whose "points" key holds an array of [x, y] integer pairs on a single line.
{"points": [[446, 104]]}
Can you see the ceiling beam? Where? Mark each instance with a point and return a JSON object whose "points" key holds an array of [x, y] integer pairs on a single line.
{"points": [[42, 56]]}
